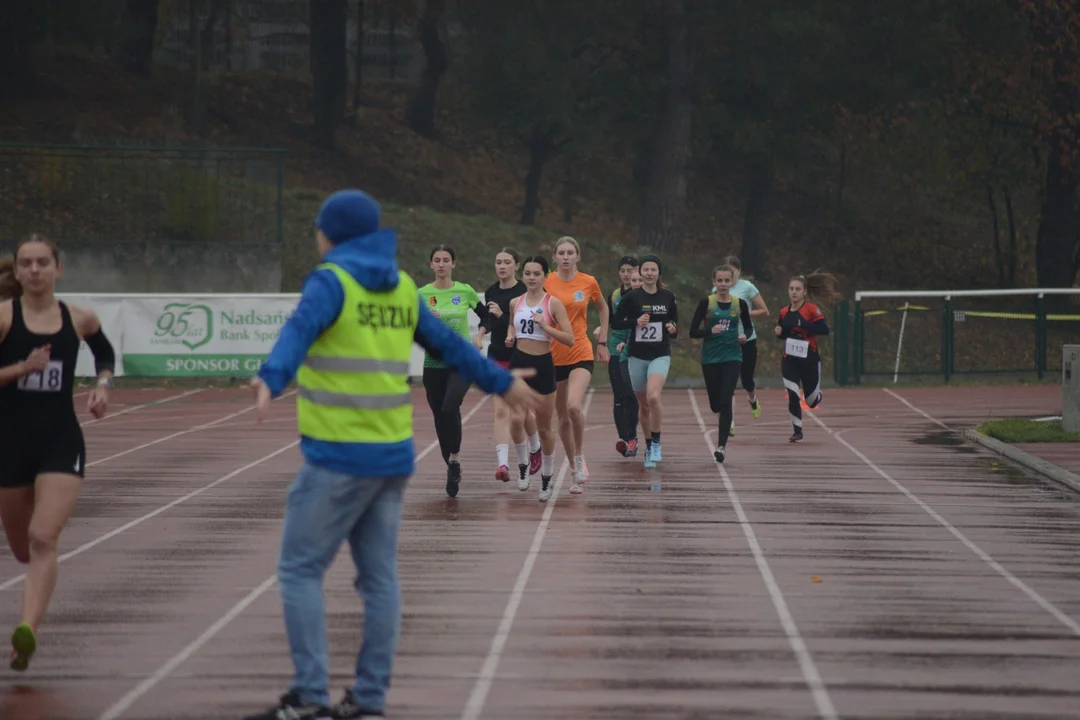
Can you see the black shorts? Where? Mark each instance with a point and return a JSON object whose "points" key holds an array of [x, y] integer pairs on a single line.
{"points": [[23, 457], [543, 381], [562, 372]]}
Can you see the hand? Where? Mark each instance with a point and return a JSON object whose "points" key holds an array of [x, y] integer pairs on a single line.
{"points": [[670, 328], [539, 321], [495, 310], [37, 360], [717, 329], [619, 347], [520, 395], [98, 402], [643, 320], [509, 342], [596, 334], [778, 330], [602, 353], [742, 339], [478, 341], [262, 398]]}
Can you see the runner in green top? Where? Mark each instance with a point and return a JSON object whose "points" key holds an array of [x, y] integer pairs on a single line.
{"points": [[450, 302], [723, 321], [625, 402]]}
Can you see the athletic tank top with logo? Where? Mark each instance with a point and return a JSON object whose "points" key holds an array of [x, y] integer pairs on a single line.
{"points": [[40, 400], [525, 327]]}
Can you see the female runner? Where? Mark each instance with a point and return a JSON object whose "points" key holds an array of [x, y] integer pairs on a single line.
{"points": [[651, 313], [530, 334], [574, 365], [41, 443], [450, 301], [625, 402], [749, 294], [497, 298], [723, 320], [798, 326]]}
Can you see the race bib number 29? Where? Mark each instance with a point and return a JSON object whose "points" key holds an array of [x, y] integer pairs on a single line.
{"points": [[52, 380]]}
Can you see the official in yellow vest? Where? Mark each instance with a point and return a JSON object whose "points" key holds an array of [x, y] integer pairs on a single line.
{"points": [[348, 346]]}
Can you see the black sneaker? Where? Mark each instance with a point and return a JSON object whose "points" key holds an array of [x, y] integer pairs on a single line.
{"points": [[291, 707], [796, 437], [719, 453], [347, 709], [453, 478]]}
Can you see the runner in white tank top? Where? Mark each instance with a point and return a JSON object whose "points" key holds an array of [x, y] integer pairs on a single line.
{"points": [[525, 327]]}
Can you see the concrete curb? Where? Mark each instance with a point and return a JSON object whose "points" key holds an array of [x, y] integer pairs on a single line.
{"points": [[1036, 465]]}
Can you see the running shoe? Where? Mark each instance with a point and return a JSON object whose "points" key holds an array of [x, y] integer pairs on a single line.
{"points": [[731, 430], [545, 488], [631, 448], [523, 477], [581, 471], [535, 458], [650, 455], [719, 454], [503, 473], [620, 447], [291, 707], [23, 646], [657, 455], [348, 709], [453, 478], [796, 437], [755, 408]]}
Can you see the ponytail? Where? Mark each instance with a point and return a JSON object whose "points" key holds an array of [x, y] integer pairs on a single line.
{"points": [[9, 286], [820, 285]]}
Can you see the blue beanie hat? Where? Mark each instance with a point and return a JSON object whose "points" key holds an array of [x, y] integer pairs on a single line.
{"points": [[348, 214]]}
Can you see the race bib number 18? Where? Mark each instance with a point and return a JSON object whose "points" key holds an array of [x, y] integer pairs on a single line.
{"points": [[796, 348], [650, 333], [52, 380]]}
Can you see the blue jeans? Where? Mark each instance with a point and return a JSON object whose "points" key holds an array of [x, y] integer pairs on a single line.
{"points": [[325, 508]]}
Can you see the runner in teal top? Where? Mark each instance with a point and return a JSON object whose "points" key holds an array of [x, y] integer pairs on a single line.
{"points": [[722, 320], [748, 293], [449, 301]]}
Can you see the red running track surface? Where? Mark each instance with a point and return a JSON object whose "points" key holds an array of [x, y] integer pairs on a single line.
{"points": [[881, 569]]}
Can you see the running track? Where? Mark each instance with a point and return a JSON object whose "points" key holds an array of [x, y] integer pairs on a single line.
{"points": [[879, 570]]}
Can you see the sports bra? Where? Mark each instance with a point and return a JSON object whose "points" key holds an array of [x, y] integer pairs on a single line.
{"points": [[525, 328]]}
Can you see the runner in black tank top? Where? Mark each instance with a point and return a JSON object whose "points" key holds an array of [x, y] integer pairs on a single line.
{"points": [[41, 443]]}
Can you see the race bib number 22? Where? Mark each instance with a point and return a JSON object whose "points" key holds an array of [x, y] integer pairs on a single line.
{"points": [[650, 333]]}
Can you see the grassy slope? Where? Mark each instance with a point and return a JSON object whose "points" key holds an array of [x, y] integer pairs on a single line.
{"points": [[1023, 430], [466, 190]]}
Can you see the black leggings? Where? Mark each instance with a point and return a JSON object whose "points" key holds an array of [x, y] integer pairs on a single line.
{"points": [[626, 404], [749, 364], [805, 372], [445, 392], [720, 381]]}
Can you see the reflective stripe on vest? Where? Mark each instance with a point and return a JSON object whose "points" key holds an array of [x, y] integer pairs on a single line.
{"points": [[354, 382]]}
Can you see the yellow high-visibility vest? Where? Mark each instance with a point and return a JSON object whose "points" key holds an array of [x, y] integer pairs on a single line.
{"points": [[354, 382]]}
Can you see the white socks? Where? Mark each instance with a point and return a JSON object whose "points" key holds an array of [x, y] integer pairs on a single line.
{"points": [[522, 450], [534, 443], [547, 465], [502, 452]]}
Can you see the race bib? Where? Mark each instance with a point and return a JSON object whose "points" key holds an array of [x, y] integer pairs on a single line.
{"points": [[52, 380], [653, 332], [797, 348]]}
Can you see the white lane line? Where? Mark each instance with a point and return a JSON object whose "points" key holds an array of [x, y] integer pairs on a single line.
{"points": [[978, 551], [133, 408], [931, 419], [474, 707], [811, 676], [121, 706]]}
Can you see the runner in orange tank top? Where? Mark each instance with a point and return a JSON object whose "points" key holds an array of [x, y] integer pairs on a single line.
{"points": [[574, 365]]}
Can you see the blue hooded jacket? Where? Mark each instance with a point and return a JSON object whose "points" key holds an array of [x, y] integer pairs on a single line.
{"points": [[370, 259]]}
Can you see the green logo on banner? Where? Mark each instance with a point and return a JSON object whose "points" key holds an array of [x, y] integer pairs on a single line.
{"points": [[186, 324]]}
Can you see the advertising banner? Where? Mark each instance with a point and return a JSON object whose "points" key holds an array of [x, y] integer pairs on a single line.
{"points": [[195, 335]]}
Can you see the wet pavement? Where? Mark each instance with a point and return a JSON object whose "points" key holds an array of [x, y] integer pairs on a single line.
{"points": [[881, 569]]}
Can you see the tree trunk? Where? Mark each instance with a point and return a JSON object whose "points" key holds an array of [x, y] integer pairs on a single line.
{"points": [[138, 25], [329, 72], [1055, 243], [757, 204], [542, 148], [1013, 256], [665, 198], [995, 226], [423, 101]]}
